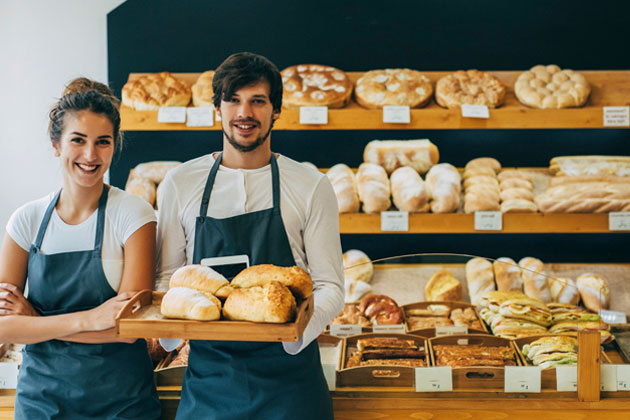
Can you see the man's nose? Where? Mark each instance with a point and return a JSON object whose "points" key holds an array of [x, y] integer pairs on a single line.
{"points": [[245, 110]]}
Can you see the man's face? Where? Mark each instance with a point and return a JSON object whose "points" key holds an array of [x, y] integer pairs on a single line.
{"points": [[247, 117]]}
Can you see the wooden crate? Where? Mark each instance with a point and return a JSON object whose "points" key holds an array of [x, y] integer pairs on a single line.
{"points": [[326, 340], [430, 332], [141, 318]]}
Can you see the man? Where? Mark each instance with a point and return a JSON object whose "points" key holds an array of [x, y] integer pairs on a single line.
{"points": [[248, 200]]}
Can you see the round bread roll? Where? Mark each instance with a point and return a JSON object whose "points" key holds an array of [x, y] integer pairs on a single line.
{"points": [[152, 91], [198, 277], [484, 162], [187, 303], [403, 87], [551, 87], [357, 266], [470, 87], [594, 291], [202, 93], [564, 290], [373, 186], [344, 184], [409, 192], [270, 302], [315, 85], [155, 171], [296, 279]]}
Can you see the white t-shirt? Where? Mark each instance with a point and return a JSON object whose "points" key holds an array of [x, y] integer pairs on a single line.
{"points": [[125, 213], [309, 211]]}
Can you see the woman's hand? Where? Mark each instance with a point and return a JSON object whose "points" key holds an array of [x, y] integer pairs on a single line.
{"points": [[103, 316], [13, 302]]}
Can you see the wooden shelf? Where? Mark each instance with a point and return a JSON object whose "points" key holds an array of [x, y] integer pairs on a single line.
{"points": [[464, 223], [609, 88]]}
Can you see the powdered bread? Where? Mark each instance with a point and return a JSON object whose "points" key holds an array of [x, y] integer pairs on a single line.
{"points": [[344, 184], [402, 87], [315, 85], [373, 186], [420, 155], [409, 192]]}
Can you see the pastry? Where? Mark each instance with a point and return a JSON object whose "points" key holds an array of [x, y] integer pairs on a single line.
{"points": [[202, 93], [315, 85], [296, 279], [155, 90], [470, 87], [402, 87], [381, 310], [443, 287], [408, 191], [344, 184], [420, 155], [551, 87], [270, 302], [373, 186]]}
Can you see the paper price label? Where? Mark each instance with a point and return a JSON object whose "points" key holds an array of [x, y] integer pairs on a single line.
{"points": [[566, 378], [619, 220], [441, 330], [522, 379], [488, 220], [623, 377], [8, 375], [612, 317], [434, 379], [345, 330], [394, 221], [616, 116], [202, 116], [330, 373], [314, 115], [398, 328], [172, 114], [396, 114], [608, 378], [475, 111]]}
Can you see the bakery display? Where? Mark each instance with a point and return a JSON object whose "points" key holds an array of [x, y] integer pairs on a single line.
{"points": [[409, 192], [149, 92], [344, 184], [480, 278], [443, 287], [420, 155], [358, 271], [470, 87], [444, 185], [315, 85], [551, 351], [202, 93], [373, 187], [402, 87], [551, 87], [535, 284]]}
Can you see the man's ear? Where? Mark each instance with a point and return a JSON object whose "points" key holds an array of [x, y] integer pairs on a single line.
{"points": [[218, 111], [275, 115]]}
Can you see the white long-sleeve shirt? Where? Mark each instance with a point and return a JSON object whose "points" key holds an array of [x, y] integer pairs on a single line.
{"points": [[309, 212]]}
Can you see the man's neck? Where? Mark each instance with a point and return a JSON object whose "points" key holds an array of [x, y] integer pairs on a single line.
{"points": [[235, 159]]}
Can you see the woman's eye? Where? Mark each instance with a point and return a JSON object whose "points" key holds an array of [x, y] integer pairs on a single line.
{"points": [[104, 141], [77, 140]]}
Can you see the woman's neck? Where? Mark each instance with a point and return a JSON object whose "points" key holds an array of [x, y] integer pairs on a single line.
{"points": [[77, 203]]}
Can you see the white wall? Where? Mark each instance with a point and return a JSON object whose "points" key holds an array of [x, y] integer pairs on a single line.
{"points": [[43, 45]]}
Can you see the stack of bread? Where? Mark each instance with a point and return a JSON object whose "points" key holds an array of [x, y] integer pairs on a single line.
{"points": [[481, 186], [152, 91], [443, 286], [358, 271], [145, 179], [344, 184], [517, 192], [444, 187]]}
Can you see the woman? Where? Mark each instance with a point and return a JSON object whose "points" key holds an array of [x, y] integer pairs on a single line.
{"points": [[83, 252]]}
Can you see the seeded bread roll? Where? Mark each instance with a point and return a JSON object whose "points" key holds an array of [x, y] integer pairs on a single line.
{"points": [[271, 302], [535, 282], [344, 183], [186, 303], [409, 192], [594, 291], [480, 278], [507, 275], [373, 186]]}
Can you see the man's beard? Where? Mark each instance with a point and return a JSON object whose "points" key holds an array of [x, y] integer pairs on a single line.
{"points": [[251, 147]]}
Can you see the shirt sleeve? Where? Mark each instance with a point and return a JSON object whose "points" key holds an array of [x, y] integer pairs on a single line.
{"points": [[135, 213], [19, 228], [322, 244], [171, 237]]}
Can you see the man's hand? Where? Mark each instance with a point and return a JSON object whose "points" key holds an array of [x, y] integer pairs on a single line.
{"points": [[13, 302]]}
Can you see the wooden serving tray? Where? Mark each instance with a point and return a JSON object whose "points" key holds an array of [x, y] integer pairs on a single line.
{"points": [[141, 318], [430, 332]]}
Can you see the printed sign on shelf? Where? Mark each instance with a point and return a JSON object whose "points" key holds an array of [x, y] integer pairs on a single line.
{"points": [[434, 379], [396, 114], [616, 116], [345, 330], [394, 221], [475, 111], [522, 379], [172, 114], [488, 220], [314, 115], [201, 116]]}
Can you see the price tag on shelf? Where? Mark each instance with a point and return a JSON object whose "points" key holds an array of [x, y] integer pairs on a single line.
{"points": [[608, 378], [398, 328], [475, 111], [434, 379], [441, 330], [314, 115], [619, 220], [202, 116], [566, 378], [8, 375], [172, 114], [345, 330], [394, 221], [488, 220], [522, 379], [396, 114], [330, 373], [623, 377], [612, 317], [616, 116]]}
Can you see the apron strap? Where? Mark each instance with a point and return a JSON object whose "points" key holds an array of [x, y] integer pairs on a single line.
{"points": [[205, 198], [45, 220], [100, 223]]}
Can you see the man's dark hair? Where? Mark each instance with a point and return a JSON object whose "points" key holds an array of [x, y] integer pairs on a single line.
{"points": [[243, 69]]}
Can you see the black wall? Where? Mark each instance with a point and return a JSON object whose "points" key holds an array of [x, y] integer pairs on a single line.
{"points": [[194, 36]]}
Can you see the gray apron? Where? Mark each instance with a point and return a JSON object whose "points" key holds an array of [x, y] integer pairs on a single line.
{"points": [[239, 380], [64, 380]]}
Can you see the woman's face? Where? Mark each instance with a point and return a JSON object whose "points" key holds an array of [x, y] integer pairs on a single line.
{"points": [[86, 148]]}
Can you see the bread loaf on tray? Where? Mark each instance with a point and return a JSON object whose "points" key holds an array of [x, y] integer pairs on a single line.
{"points": [[183, 302], [297, 280], [271, 302]]}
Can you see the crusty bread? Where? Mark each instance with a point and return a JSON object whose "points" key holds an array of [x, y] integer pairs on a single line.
{"points": [[535, 283], [270, 302], [444, 186], [198, 277], [402, 87], [409, 192], [315, 85], [483, 162], [476, 202], [518, 206], [357, 266], [517, 194], [480, 278], [443, 286], [142, 187], [550, 87], [155, 171], [513, 173], [344, 184], [594, 291], [296, 279], [516, 183], [470, 87], [421, 155], [592, 165], [183, 302], [373, 186], [202, 92], [479, 171], [155, 90], [507, 275], [564, 290]]}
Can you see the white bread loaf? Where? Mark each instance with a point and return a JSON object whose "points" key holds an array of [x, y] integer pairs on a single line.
{"points": [[444, 185], [535, 284], [408, 191], [142, 187], [421, 155], [480, 278], [357, 266], [345, 185], [373, 186], [198, 277], [484, 162], [507, 275], [564, 290], [518, 206], [594, 291], [186, 303], [296, 279], [155, 171], [271, 302]]}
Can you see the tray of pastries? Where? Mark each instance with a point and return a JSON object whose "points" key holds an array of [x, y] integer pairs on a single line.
{"points": [[371, 311], [262, 303], [423, 317]]}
